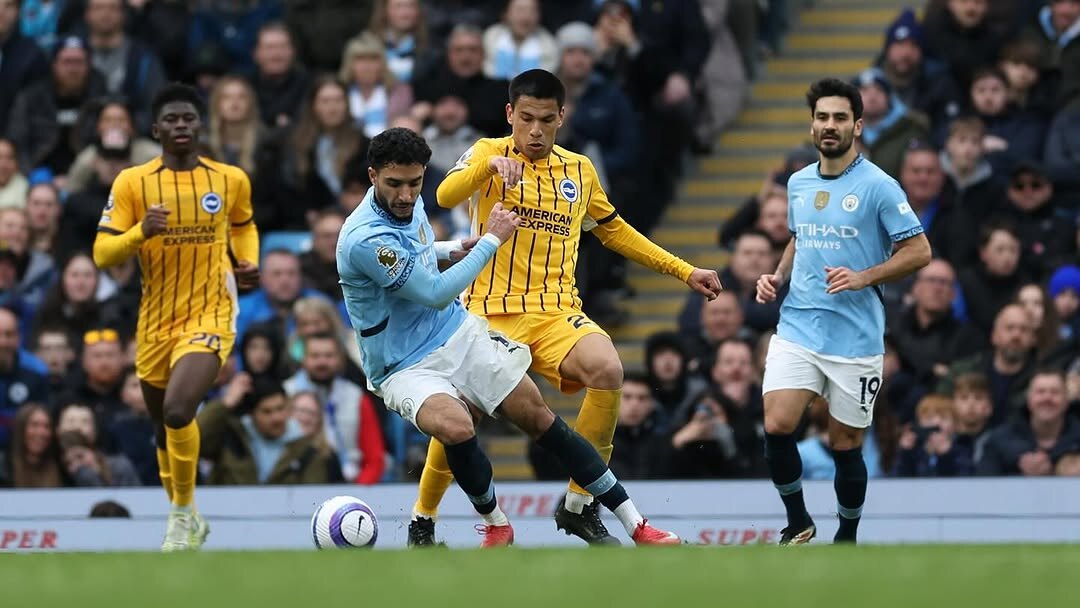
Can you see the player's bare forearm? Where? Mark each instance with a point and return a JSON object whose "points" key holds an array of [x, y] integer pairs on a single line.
{"points": [[460, 184], [112, 249], [783, 269], [911, 254], [624, 239]]}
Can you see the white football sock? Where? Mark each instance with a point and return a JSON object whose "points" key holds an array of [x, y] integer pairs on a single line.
{"points": [[575, 502], [187, 510], [629, 516], [495, 518]]}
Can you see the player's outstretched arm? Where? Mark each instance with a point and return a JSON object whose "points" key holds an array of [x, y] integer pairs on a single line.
{"points": [[911, 254]]}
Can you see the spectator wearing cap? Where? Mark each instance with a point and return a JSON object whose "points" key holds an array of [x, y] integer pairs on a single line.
{"points": [[20, 382], [1046, 230], [44, 118], [1012, 134], [23, 62], [1057, 32], [376, 98], [1064, 290], [960, 35], [130, 68], [889, 128], [13, 184], [921, 83], [971, 182], [519, 42]]}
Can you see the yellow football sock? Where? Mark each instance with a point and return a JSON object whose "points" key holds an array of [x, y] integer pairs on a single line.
{"points": [[183, 447], [596, 423], [434, 481], [164, 472]]}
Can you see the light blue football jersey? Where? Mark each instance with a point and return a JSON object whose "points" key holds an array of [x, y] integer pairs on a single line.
{"points": [[402, 308], [851, 220]]}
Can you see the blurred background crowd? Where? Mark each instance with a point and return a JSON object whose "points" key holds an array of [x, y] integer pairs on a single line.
{"points": [[972, 105]]}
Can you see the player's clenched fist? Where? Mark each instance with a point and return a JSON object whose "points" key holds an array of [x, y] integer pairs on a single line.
{"points": [[767, 285], [153, 224], [509, 169], [502, 223]]}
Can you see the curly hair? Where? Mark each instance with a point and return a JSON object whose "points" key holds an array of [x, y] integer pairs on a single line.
{"points": [[177, 92], [398, 146]]}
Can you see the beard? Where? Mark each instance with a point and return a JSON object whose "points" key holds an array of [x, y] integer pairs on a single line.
{"points": [[840, 148]]}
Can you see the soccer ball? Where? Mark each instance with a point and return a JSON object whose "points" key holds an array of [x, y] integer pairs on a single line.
{"points": [[344, 522]]}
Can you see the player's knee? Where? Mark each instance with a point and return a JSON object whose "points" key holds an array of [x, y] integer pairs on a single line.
{"points": [[780, 425], [607, 374], [456, 431], [177, 415], [537, 421]]}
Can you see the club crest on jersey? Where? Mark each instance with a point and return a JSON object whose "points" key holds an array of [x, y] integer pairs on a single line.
{"points": [[850, 203], [211, 202], [386, 256], [821, 200], [569, 190]]}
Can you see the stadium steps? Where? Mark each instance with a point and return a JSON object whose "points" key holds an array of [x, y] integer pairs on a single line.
{"points": [[831, 38]]}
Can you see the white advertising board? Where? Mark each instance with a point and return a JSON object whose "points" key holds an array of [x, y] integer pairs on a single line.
{"points": [[722, 513]]}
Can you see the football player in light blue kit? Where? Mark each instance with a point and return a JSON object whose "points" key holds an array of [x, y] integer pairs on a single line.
{"points": [[434, 363], [852, 231]]}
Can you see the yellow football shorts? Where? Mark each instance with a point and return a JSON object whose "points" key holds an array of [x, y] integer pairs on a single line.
{"points": [[550, 336], [154, 360]]}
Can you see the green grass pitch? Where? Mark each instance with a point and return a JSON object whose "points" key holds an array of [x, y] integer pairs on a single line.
{"points": [[674, 577]]}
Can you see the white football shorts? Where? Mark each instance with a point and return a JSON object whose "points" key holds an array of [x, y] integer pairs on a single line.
{"points": [[850, 385], [476, 364]]}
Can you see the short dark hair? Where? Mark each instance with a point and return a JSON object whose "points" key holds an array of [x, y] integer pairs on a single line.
{"points": [[1049, 370], [398, 146], [176, 92], [265, 386], [987, 230], [834, 87], [109, 508], [537, 83], [637, 377]]}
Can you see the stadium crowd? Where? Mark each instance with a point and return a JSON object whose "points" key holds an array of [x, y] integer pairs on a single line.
{"points": [[296, 88]]}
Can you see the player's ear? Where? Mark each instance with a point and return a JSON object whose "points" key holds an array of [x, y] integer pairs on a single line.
{"points": [[154, 132], [858, 127], [371, 174], [509, 114], [562, 115]]}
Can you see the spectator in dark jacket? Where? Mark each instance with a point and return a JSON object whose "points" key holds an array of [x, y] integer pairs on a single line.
{"points": [[130, 67], [1062, 153], [971, 182], [923, 84], [1057, 32], [668, 371], [995, 281], [1031, 445], [1013, 135], [233, 25], [946, 223], [641, 436], [322, 27], [23, 62], [18, 383], [1047, 231], [132, 432], [930, 448], [280, 81], [714, 439], [960, 35], [44, 119], [889, 127]]}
